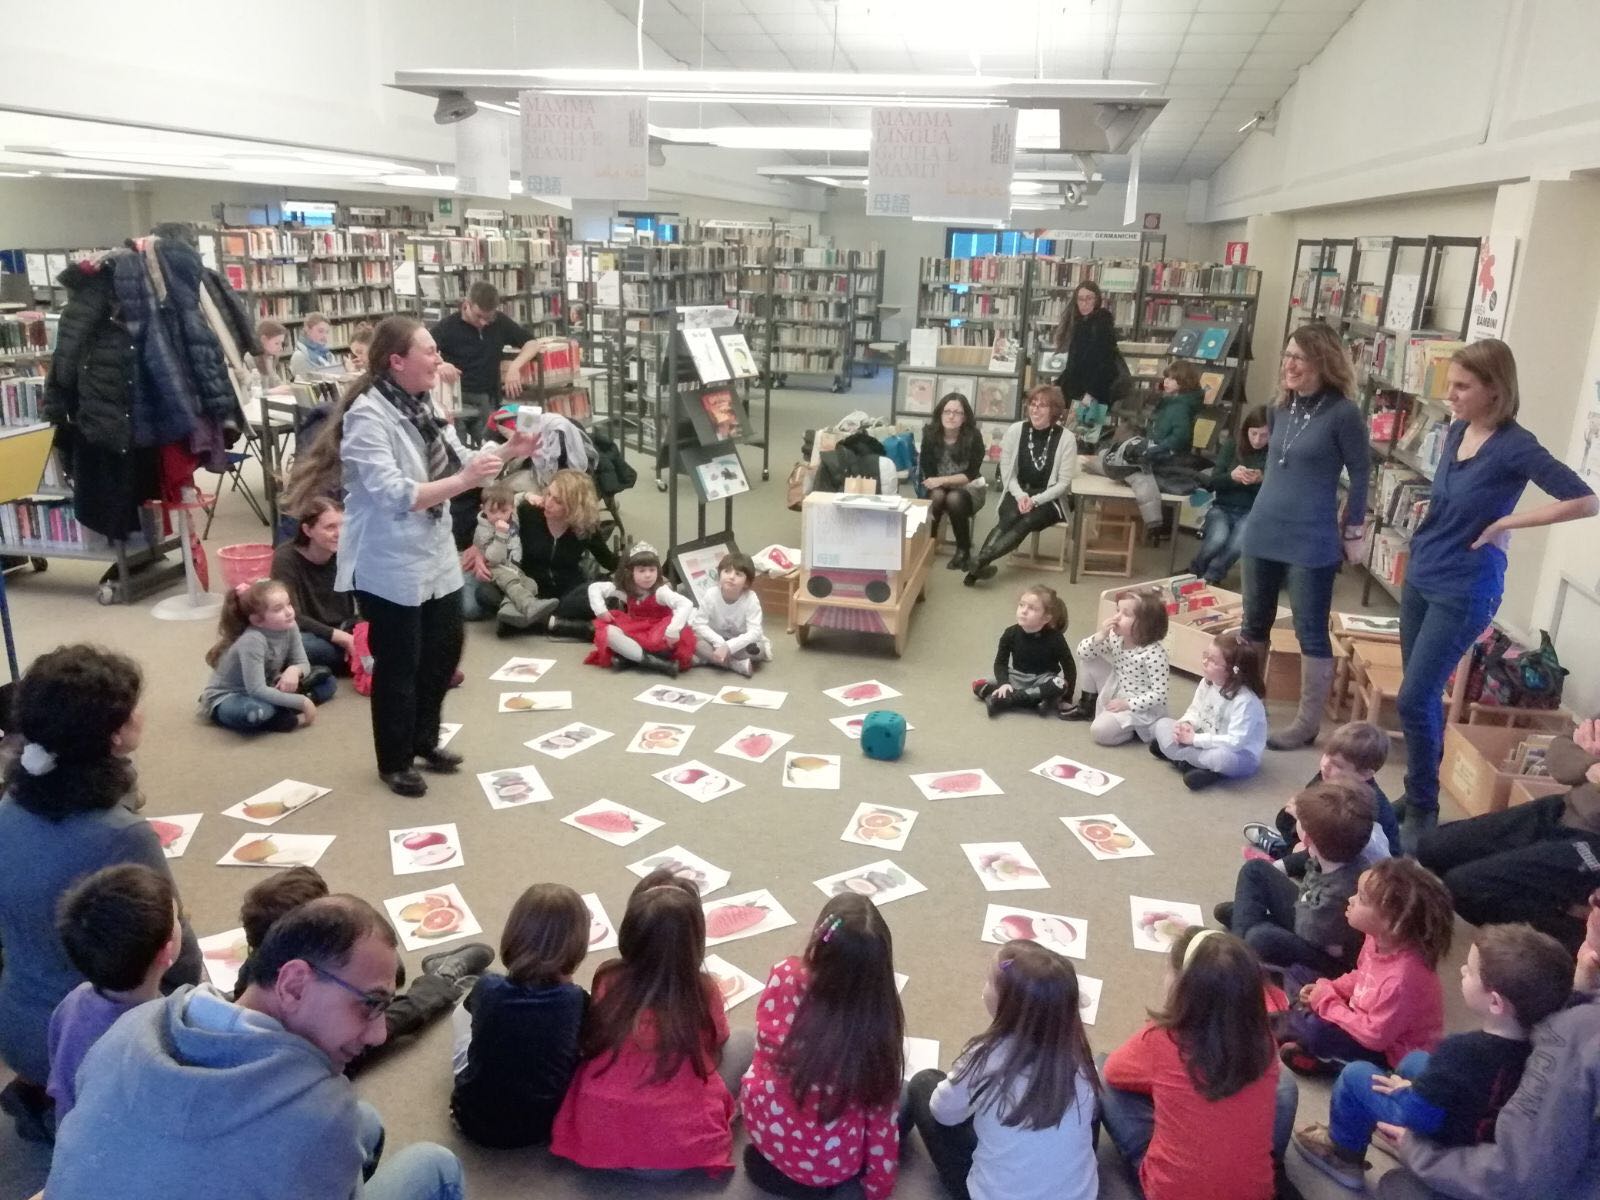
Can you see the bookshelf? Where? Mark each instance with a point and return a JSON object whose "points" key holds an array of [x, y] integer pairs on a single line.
{"points": [[40, 269], [346, 274], [866, 304], [808, 308]]}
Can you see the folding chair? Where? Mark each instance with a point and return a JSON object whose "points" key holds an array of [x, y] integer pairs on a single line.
{"points": [[234, 472]]}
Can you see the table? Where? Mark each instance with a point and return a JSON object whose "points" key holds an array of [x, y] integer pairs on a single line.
{"points": [[1097, 487]]}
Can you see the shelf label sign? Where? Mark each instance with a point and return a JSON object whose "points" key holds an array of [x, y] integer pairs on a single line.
{"points": [[587, 147], [950, 163], [483, 156], [1491, 291]]}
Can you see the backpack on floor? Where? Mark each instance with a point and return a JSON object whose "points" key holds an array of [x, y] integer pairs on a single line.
{"points": [[361, 659]]}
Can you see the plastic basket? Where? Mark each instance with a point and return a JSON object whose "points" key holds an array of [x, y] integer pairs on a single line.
{"points": [[245, 563]]}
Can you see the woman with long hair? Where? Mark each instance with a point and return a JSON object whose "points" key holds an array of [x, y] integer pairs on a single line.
{"points": [[1087, 331], [952, 472], [307, 564], [400, 466], [1038, 458], [1457, 569], [1295, 536]]}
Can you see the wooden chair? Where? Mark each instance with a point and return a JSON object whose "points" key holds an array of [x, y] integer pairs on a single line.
{"points": [[1109, 539]]}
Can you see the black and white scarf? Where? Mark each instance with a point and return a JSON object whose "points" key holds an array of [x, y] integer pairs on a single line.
{"points": [[429, 428]]}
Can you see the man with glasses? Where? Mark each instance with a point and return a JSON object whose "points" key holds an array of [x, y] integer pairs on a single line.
{"points": [[472, 343], [252, 1094]]}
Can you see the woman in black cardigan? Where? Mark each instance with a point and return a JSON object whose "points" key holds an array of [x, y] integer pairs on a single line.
{"points": [[952, 465], [1088, 333]]}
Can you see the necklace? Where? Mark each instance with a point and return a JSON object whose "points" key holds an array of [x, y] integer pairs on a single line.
{"points": [[1299, 421], [1040, 457]]}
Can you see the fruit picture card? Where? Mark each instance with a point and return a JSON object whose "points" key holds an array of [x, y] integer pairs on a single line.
{"points": [[223, 955], [750, 697], [427, 919], [735, 985], [511, 787], [1004, 866], [1076, 775], [1106, 837], [744, 915], [698, 781], [868, 691], [686, 865], [819, 772], [1089, 989], [568, 740], [602, 933], [1064, 935], [755, 744], [1159, 923], [424, 848], [676, 698], [921, 1054], [272, 805], [879, 825], [174, 832], [447, 731], [880, 882], [276, 850], [523, 670], [656, 737], [525, 702], [612, 822], [941, 785], [850, 725]]}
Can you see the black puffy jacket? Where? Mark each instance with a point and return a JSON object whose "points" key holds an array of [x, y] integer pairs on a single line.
{"points": [[88, 393], [1092, 358]]}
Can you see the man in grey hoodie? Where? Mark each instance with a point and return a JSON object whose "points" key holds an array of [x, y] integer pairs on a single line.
{"points": [[194, 1087]]}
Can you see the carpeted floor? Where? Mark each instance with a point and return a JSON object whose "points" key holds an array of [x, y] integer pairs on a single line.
{"points": [[767, 836]]}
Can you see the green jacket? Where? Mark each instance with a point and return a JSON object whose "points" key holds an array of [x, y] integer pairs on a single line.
{"points": [[1172, 425], [1230, 494]]}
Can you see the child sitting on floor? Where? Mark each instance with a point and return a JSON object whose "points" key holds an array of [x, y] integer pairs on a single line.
{"points": [[500, 542], [120, 928], [727, 622], [1354, 753], [1304, 924], [1223, 733], [1514, 978], [517, 1033], [822, 1096], [639, 619], [1015, 1118], [1392, 1003], [1126, 665], [1032, 666], [261, 678]]}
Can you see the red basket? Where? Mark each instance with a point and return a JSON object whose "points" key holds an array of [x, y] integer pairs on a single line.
{"points": [[245, 563]]}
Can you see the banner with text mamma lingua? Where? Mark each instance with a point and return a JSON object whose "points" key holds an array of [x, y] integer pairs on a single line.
{"points": [[588, 147], [950, 163]]}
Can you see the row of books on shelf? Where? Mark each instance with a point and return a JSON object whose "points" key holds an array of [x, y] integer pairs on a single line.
{"points": [[809, 337], [27, 334], [22, 398], [803, 308], [996, 270], [1203, 277], [962, 335], [822, 256], [673, 291], [271, 241], [532, 310], [669, 260], [41, 523], [1417, 365], [1390, 553], [970, 304], [1124, 309], [1402, 498], [788, 279], [805, 362], [446, 251]]}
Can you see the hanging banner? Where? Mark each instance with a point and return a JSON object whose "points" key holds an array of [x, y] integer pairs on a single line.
{"points": [[1491, 292], [483, 156], [589, 147], [942, 163]]}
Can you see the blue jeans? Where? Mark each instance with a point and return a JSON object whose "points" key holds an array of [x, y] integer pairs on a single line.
{"points": [[320, 652], [1310, 599], [422, 1171], [1435, 631], [246, 714], [1354, 1109], [1130, 1117], [1221, 543]]}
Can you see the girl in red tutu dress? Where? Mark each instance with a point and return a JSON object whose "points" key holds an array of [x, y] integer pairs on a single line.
{"points": [[639, 619]]}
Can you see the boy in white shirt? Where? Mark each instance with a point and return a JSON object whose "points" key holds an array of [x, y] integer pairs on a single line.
{"points": [[727, 623]]}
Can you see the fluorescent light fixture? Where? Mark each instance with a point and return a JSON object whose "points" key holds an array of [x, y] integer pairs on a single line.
{"points": [[18, 174], [512, 109], [815, 138], [830, 181]]}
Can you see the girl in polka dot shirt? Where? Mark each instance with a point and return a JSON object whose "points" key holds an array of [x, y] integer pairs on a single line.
{"points": [[821, 1099], [1125, 672]]}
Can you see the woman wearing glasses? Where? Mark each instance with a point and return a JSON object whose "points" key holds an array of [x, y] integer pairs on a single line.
{"points": [[1295, 536], [1038, 458]]}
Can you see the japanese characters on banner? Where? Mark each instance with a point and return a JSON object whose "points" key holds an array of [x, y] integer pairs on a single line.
{"points": [[590, 147], [952, 163], [1491, 291], [483, 156]]}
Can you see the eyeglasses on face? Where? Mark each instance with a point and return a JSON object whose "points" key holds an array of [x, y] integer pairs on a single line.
{"points": [[375, 1004], [1295, 356]]}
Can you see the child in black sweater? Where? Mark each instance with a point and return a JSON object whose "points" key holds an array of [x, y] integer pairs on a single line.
{"points": [[1033, 667]]}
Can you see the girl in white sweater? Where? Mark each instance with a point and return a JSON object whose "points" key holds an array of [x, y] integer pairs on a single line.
{"points": [[1224, 731], [727, 623], [1124, 672]]}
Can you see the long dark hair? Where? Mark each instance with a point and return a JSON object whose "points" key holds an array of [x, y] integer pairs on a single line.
{"points": [[72, 702], [846, 1045], [933, 431], [316, 471], [1070, 317], [661, 941], [1038, 1026], [1216, 1012]]}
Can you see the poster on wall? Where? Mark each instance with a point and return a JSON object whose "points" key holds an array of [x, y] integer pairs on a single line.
{"points": [[1491, 292], [1589, 451], [483, 156], [590, 147], [944, 163], [1237, 254]]}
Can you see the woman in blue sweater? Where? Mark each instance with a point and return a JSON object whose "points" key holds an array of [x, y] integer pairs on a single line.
{"points": [[1457, 569], [1294, 534]]}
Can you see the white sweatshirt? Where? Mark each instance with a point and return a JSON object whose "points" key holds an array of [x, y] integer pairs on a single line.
{"points": [[1237, 724], [602, 590], [736, 625]]}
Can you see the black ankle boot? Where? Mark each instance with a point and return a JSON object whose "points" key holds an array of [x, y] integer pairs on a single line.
{"points": [[659, 663], [1083, 710], [568, 627]]}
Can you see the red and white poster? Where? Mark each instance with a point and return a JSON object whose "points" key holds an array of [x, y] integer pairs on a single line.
{"points": [[1491, 292], [1237, 254]]}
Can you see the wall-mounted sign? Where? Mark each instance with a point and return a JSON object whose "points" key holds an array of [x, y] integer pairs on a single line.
{"points": [[950, 163]]}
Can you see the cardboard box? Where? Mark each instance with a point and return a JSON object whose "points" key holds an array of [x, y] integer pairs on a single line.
{"points": [[1185, 643], [1472, 767], [776, 593], [1525, 788]]}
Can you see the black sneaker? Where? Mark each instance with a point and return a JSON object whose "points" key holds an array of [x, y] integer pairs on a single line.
{"points": [[405, 783], [1266, 839], [1223, 914], [453, 966]]}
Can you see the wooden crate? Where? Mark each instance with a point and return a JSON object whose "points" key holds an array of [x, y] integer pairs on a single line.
{"points": [[1474, 756]]}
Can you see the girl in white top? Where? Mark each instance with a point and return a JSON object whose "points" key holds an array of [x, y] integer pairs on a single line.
{"points": [[1125, 672], [727, 623], [1015, 1119], [1224, 731]]}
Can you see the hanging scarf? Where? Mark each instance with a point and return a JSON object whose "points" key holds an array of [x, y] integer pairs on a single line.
{"points": [[320, 357], [415, 410]]}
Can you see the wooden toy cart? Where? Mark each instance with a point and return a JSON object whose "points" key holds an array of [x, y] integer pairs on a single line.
{"points": [[873, 597]]}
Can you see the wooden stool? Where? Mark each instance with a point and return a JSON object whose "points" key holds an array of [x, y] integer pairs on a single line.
{"points": [[1040, 561], [1377, 686], [1109, 540]]}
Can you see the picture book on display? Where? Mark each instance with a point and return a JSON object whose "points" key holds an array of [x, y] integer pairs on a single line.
{"points": [[717, 416], [917, 394], [707, 355], [718, 473], [737, 351], [996, 400]]}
